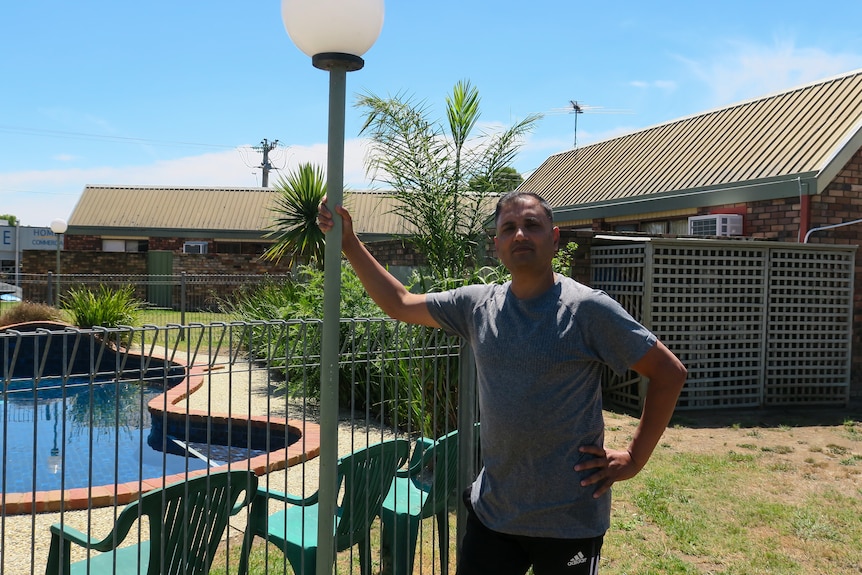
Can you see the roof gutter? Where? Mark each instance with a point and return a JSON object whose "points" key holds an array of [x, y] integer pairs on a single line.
{"points": [[141, 232], [767, 189]]}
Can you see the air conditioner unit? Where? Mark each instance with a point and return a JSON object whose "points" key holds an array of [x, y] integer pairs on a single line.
{"points": [[195, 248], [715, 225]]}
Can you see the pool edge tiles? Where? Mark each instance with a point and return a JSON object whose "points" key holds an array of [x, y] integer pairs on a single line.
{"points": [[307, 446]]}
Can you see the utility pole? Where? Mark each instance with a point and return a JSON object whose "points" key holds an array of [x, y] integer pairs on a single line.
{"points": [[266, 147]]}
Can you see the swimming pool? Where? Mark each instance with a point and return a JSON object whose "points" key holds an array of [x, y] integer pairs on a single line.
{"points": [[80, 432]]}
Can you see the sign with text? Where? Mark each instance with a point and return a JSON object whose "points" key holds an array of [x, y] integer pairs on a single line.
{"points": [[22, 238]]}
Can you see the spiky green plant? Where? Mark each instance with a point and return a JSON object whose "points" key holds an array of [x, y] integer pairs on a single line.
{"points": [[105, 307], [295, 227]]}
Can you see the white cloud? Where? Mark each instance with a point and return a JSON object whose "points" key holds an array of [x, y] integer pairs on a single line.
{"points": [[664, 85], [746, 70], [38, 196]]}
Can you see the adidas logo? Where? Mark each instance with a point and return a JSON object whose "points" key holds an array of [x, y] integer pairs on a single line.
{"points": [[576, 560]]}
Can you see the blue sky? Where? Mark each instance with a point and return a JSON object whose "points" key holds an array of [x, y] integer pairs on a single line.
{"points": [[175, 93]]}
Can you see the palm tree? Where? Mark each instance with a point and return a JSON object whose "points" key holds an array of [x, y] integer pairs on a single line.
{"points": [[429, 169], [295, 226]]}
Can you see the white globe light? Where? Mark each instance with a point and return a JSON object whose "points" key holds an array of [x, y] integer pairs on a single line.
{"points": [[58, 226], [338, 26]]}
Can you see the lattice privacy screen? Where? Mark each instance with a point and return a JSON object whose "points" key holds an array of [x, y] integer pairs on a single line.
{"points": [[755, 323]]}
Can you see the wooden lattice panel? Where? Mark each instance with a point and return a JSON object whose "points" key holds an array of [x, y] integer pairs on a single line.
{"points": [[755, 323], [619, 271], [708, 304], [809, 327]]}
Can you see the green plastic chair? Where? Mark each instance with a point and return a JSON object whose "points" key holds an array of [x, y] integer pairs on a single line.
{"points": [[365, 474], [186, 521], [425, 489]]}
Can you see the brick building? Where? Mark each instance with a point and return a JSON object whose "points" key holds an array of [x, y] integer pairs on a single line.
{"points": [[785, 167], [168, 227]]}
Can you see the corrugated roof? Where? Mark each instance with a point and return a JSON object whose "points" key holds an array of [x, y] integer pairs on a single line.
{"points": [[211, 210], [376, 213], [810, 132]]}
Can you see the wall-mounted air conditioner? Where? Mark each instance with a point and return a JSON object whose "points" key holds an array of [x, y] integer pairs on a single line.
{"points": [[195, 248], [715, 225]]}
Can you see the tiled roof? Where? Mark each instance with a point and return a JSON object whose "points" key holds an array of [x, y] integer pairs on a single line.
{"points": [[807, 133]]}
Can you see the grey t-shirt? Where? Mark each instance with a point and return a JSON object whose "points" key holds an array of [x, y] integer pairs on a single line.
{"points": [[539, 365]]}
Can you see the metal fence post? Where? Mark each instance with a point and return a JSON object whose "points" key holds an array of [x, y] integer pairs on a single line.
{"points": [[183, 305], [50, 298], [467, 417], [183, 298]]}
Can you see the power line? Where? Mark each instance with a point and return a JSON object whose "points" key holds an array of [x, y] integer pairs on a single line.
{"points": [[38, 192], [103, 137]]}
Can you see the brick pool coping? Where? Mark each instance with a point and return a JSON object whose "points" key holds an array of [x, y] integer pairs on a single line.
{"points": [[166, 404]]}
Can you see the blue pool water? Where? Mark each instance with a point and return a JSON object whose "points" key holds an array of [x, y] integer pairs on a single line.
{"points": [[93, 434]]}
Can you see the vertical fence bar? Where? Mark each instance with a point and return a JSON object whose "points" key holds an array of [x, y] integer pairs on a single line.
{"points": [[467, 417], [50, 298], [183, 298]]}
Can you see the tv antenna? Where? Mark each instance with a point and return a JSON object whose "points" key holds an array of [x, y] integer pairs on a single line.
{"points": [[578, 108]]}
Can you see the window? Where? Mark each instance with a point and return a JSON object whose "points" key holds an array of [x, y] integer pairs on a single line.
{"points": [[113, 245], [116, 245], [679, 227], [242, 247], [654, 228], [195, 248]]}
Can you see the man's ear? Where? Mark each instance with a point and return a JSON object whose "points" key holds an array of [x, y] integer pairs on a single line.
{"points": [[556, 237]]}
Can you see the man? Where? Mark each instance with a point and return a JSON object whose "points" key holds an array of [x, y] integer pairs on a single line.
{"points": [[541, 342]]}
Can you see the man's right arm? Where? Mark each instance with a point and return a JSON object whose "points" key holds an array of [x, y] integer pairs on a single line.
{"points": [[386, 291]]}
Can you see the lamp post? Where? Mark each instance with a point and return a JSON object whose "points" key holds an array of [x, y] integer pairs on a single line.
{"points": [[335, 33], [59, 227]]}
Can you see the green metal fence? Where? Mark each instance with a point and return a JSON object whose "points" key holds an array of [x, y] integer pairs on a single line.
{"points": [[92, 419], [178, 298]]}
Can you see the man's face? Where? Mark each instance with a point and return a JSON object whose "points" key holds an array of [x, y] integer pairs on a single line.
{"points": [[526, 239]]}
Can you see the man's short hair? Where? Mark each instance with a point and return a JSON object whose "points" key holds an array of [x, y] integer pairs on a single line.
{"points": [[515, 195]]}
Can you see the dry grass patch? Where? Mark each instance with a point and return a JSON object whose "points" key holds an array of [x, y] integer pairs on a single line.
{"points": [[763, 494], [721, 496]]}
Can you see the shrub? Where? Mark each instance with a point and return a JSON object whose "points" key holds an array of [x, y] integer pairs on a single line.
{"points": [[106, 307], [29, 311], [291, 300], [390, 374]]}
